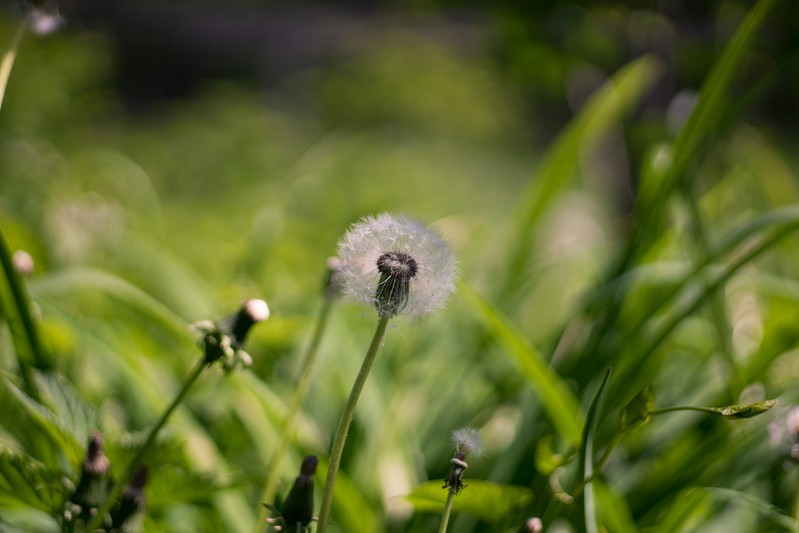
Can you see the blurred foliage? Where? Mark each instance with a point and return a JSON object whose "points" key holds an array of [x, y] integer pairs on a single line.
{"points": [[141, 223]]}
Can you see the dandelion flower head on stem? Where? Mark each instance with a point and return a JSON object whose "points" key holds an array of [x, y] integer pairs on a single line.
{"points": [[396, 264]]}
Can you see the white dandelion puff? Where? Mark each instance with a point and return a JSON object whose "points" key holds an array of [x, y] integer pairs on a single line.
{"points": [[396, 264], [467, 441]]}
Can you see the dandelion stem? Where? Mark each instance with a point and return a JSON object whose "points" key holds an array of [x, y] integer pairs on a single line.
{"points": [[127, 474], [303, 381], [445, 515], [7, 63], [346, 419]]}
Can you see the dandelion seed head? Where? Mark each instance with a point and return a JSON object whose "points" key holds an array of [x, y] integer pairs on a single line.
{"points": [[467, 441], [397, 264]]}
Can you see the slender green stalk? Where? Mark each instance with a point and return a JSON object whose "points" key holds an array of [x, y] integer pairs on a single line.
{"points": [[7, 63], [683, 408], [127, 473], [302, 384], [445, 515], [346, 419]]}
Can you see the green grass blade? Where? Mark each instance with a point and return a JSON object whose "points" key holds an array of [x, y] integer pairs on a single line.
{"points": [[603, 111], [81, 278], [704, 120], [556, 398], [587, 458], [764, 508]]}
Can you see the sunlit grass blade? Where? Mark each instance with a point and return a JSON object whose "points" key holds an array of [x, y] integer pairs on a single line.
{"points": [[556, 398], [7, 63], [81, 278]]}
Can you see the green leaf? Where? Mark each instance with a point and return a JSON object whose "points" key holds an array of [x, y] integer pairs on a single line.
{"points": [[27, 482], [636, 412], [66, 419], [482, 499], [556, 398]]}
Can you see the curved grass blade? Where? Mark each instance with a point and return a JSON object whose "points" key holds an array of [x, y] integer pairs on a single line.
{"points": [[603, 111], [556, 398]]}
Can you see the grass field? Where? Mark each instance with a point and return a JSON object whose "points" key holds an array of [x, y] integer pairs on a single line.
{"points": [[597, 292]]}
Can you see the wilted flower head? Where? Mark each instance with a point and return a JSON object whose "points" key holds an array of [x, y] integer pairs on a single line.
{"points": [[224, 338], [397, 265], [467, 442]]}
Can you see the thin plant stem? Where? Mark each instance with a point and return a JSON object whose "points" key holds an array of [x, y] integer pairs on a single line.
{"points": [[7, 63], [346, 419], [127, 473], [445, 515], [683, 408], [301, 390], [23, 312]]}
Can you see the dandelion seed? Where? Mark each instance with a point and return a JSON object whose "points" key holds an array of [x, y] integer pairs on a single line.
{"points": [[397, 265]]}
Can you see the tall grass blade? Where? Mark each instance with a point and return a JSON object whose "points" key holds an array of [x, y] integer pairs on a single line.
{"points": [[556, 398], [603, 111], [587, 458]]}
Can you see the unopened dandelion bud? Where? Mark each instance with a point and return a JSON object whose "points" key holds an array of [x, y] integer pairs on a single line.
{"points": [[251, 312], [93, 486], [132, 500], [333, 284], [23, 263], [224, 339], [298, 506]]}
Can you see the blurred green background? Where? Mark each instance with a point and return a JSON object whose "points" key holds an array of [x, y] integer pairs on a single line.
{"points": [[162, 163]]}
